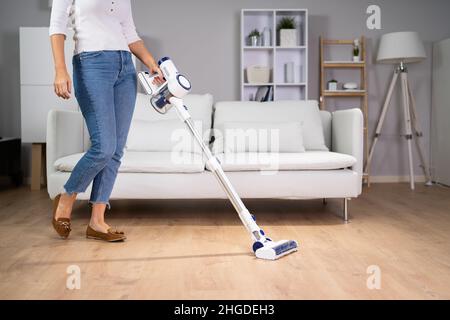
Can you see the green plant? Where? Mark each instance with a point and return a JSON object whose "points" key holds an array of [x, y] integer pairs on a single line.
{"points": [[287, 23], [356, 48], [254, 33]]}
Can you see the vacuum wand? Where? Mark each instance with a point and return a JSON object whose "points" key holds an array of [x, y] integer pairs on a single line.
{"points": [[170, 94]]}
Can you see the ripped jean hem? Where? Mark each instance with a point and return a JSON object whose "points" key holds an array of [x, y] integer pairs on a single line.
{"points": [[64, 190], [92, 202], [108, 205]]}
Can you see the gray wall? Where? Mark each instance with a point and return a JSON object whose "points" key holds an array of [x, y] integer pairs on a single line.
{"points": [[203, 38]]}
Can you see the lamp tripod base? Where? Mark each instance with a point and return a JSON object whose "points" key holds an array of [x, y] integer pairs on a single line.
{"points": [[411, 124]]}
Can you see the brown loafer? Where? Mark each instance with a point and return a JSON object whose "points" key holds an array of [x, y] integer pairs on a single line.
{"points": [[111, 236], [62, 225]]}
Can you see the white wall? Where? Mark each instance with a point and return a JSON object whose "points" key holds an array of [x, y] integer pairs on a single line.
{"points": [[202, 36]]}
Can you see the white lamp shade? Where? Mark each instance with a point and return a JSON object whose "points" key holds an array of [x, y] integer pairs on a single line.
{"points": [[399, 47]]}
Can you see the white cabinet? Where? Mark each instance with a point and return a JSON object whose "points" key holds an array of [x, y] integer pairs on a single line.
{"points": [[440, 125], [37, 101], [36, 82]]}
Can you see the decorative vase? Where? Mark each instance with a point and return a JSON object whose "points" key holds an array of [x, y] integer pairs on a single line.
{"points": [[266, 37], [289, 76], [301, 74], [254, 41], [332, 85], [288, 37], [356, 59]]}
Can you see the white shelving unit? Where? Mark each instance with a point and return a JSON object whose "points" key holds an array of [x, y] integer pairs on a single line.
{"points": [[274, 56]]}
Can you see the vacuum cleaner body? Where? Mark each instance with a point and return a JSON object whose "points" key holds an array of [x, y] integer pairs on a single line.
{"points": [[176, 85], [170, 94]]}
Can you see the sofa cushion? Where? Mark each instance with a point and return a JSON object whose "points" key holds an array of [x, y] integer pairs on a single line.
{"points": [[162, 135], [305, 112], [146, 162], [263, 137], [310, 160]]}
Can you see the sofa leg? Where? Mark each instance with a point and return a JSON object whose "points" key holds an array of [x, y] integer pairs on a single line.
{"points": [[345, 213]]}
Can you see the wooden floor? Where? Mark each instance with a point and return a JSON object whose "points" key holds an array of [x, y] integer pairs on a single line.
{"points": [[199, 250]]}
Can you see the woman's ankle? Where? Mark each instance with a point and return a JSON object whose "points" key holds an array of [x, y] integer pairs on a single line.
{"points": [[96, 222], [65, 205], [69, 197], [100, 226]]}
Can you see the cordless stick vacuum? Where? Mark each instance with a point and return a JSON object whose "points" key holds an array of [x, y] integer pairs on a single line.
{"points": [[170, 94]]}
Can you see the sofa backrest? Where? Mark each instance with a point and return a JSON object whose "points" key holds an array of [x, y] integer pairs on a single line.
{"points": [[326, 126], [200, 107], [316, 128]]}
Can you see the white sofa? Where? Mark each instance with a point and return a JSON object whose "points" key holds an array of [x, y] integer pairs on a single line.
{"points": [[162, 162]]}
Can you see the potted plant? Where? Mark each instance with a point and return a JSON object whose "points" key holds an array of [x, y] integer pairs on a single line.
{"points": [[332, 85], [356, 50], [287, 32], [254, 37]]}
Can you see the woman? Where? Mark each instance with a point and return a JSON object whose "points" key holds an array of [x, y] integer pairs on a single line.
{"points": [[105, 86]]}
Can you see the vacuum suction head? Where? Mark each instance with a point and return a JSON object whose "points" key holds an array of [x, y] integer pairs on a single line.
{"points": [[271, 250]]}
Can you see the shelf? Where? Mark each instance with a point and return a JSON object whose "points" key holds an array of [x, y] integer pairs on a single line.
{"points": [[343, 64], [290, 48], [361, 67], [337, 42], [344, 93], [258, 84], [258, 48], [290, 84], [290, 92], [275, 56]]}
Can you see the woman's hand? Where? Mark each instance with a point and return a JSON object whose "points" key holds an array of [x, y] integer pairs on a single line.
{"points": [[154, 69], [63, 84], [139, 50]]}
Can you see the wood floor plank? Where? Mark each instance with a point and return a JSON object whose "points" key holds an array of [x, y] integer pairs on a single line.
{"points": [[194, 249]]}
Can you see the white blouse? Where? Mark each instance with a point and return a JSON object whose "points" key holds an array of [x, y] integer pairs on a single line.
{"points": [[98, 24]]}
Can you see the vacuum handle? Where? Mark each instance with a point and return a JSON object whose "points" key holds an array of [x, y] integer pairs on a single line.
{"points": [[147, 82]]}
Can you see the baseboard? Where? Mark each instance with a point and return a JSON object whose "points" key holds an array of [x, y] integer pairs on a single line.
{"points": [[4, 180], [395, 179], [7, 180]]}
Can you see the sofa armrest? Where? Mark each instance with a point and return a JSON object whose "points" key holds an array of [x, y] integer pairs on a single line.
{"points": [[348, 135], [64, 136]]}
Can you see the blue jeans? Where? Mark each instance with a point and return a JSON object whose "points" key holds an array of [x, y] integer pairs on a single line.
{"points": [[105, 86]]}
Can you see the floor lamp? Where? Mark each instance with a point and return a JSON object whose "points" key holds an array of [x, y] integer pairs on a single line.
{"points": [[402, 48]]}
